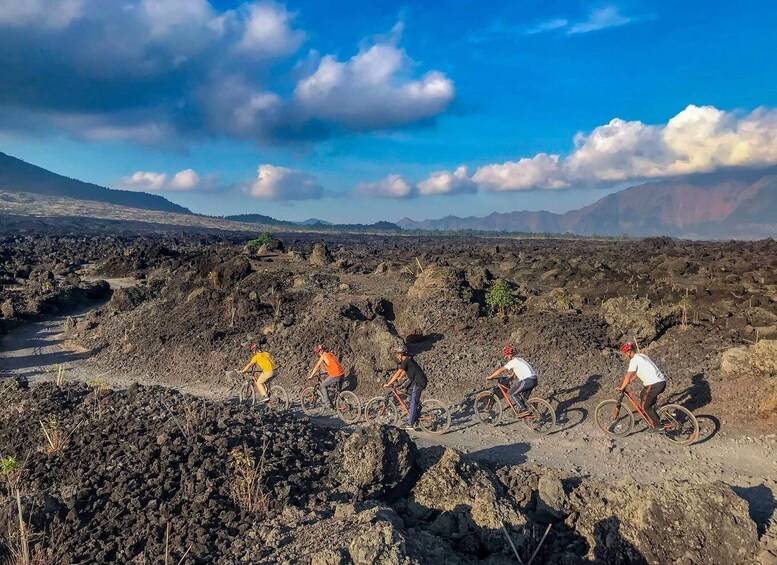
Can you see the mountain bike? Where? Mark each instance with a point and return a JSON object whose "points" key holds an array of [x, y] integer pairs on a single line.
{"points": [[346, 404], [249, 395], [615, 418], [434, 416], [539, 415]]}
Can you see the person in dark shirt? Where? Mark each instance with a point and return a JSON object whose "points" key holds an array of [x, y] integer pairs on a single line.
{"points": [[416, 382]]}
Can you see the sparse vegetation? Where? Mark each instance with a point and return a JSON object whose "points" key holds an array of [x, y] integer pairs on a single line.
{"points": [[98, 386], [247, 484], [501, 298], [264, 239], [11, 471]]}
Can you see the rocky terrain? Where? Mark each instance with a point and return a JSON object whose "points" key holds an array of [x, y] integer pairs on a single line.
{"points": [[147, 475], [141, 458]]}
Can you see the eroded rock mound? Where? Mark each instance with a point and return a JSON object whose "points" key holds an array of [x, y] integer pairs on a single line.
{"points": [[320, 255], [373, 462], [668, 523], [637, 318]]}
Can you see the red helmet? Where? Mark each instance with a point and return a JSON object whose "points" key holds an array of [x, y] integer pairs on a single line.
{"points": [[253, 347], [318, 349], [628, 346], [509, 351]]}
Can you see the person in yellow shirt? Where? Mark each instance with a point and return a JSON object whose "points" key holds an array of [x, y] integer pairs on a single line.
{"points": [[266, 364]]}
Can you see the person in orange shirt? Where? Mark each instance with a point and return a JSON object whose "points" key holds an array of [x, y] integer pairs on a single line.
{"points": [[334, 371]]}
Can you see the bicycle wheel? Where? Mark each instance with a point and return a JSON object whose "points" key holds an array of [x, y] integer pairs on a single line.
{"points": [[488, 409], [435, 418], [311, 401], [247, 394], [379, 410], [348, 407], [612, 420], [279, 399], [680, 425], [541, 418]]}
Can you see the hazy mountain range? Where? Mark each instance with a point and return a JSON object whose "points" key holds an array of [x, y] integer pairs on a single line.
{"points": [[733, 203]]}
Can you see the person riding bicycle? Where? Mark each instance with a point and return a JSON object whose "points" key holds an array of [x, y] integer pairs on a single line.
{"points": [[265, 362], [334, 371], [653, 382], [416, 382], [521, 370]]}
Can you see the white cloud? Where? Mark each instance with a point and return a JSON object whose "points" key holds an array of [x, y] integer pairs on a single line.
{"points": [[170, 71], [698, 139], [601, 18], [548, 25], [393, 186], [540, 171], [370, 91], [56, 14], [183, 181], [445, 182], [280, 183], [268, 31]]}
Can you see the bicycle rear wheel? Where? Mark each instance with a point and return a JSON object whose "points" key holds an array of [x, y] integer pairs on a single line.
{"points": [[435, 418], [612, 419], [311, 401], [488, 409], [541, 418], [349, 407], [279, 399], [247, 394], [379, 410], [680, 425]]}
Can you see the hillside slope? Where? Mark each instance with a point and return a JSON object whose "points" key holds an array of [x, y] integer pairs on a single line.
{"points": [[19, 176]]}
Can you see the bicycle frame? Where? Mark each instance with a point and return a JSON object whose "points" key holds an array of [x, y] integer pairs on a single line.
{"points": [[505, 390], [634, 404]]}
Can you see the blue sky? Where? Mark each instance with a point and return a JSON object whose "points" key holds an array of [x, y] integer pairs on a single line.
{"points": [[363, 111]]}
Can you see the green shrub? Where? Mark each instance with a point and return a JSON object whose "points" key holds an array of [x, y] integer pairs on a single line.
{"points": [[500, 298], [263, 239]]}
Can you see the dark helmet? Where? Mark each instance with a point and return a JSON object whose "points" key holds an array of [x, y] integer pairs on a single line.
{"points": [[400, 350]]}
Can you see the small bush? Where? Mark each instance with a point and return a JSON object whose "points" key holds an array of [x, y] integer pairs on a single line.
{"points": [[11, 471], [247, 488], [264, 239], [501, 298]]}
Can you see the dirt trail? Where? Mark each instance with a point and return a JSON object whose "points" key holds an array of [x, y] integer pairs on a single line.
{"points": [[577, 447]]}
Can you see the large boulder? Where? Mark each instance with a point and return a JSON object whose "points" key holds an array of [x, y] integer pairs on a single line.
{"points": [[453, 484], [7, 310], [667, 523], [373, 462], [436, 283], [379, 544], [320, 255], [757, 361], [637, 318], [126, 299]]}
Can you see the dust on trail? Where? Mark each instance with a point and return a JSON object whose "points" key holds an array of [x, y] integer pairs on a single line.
{"points": [[576, 447]]}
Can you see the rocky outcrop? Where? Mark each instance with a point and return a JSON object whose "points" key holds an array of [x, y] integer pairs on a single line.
{"points": [[637, 318], [373, 462]]}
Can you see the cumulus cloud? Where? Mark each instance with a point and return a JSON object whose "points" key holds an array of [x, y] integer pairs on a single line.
{"points": [[444, 182], [698, 139], [169, 71], [281, 183], [182, 181], [392, 186]]}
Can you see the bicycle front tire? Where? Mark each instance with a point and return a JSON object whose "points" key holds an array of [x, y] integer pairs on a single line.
{"points": [[279, 399], [612, 420], [311, 402], [488, 409], [247, 394], [380, 410]]}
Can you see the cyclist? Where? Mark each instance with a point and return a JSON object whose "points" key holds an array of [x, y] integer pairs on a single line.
{"points": [[521, 370], [416, 382], [653, 382], [334, 371], [265, 362]]}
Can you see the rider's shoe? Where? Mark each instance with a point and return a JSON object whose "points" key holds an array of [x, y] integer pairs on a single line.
{"points": [[411, 428], [265, 399], [523, 414], [656, 429]]}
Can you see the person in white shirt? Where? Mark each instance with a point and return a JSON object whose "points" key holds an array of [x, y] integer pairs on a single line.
{"points": [[653, 382], [525, 375]]}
